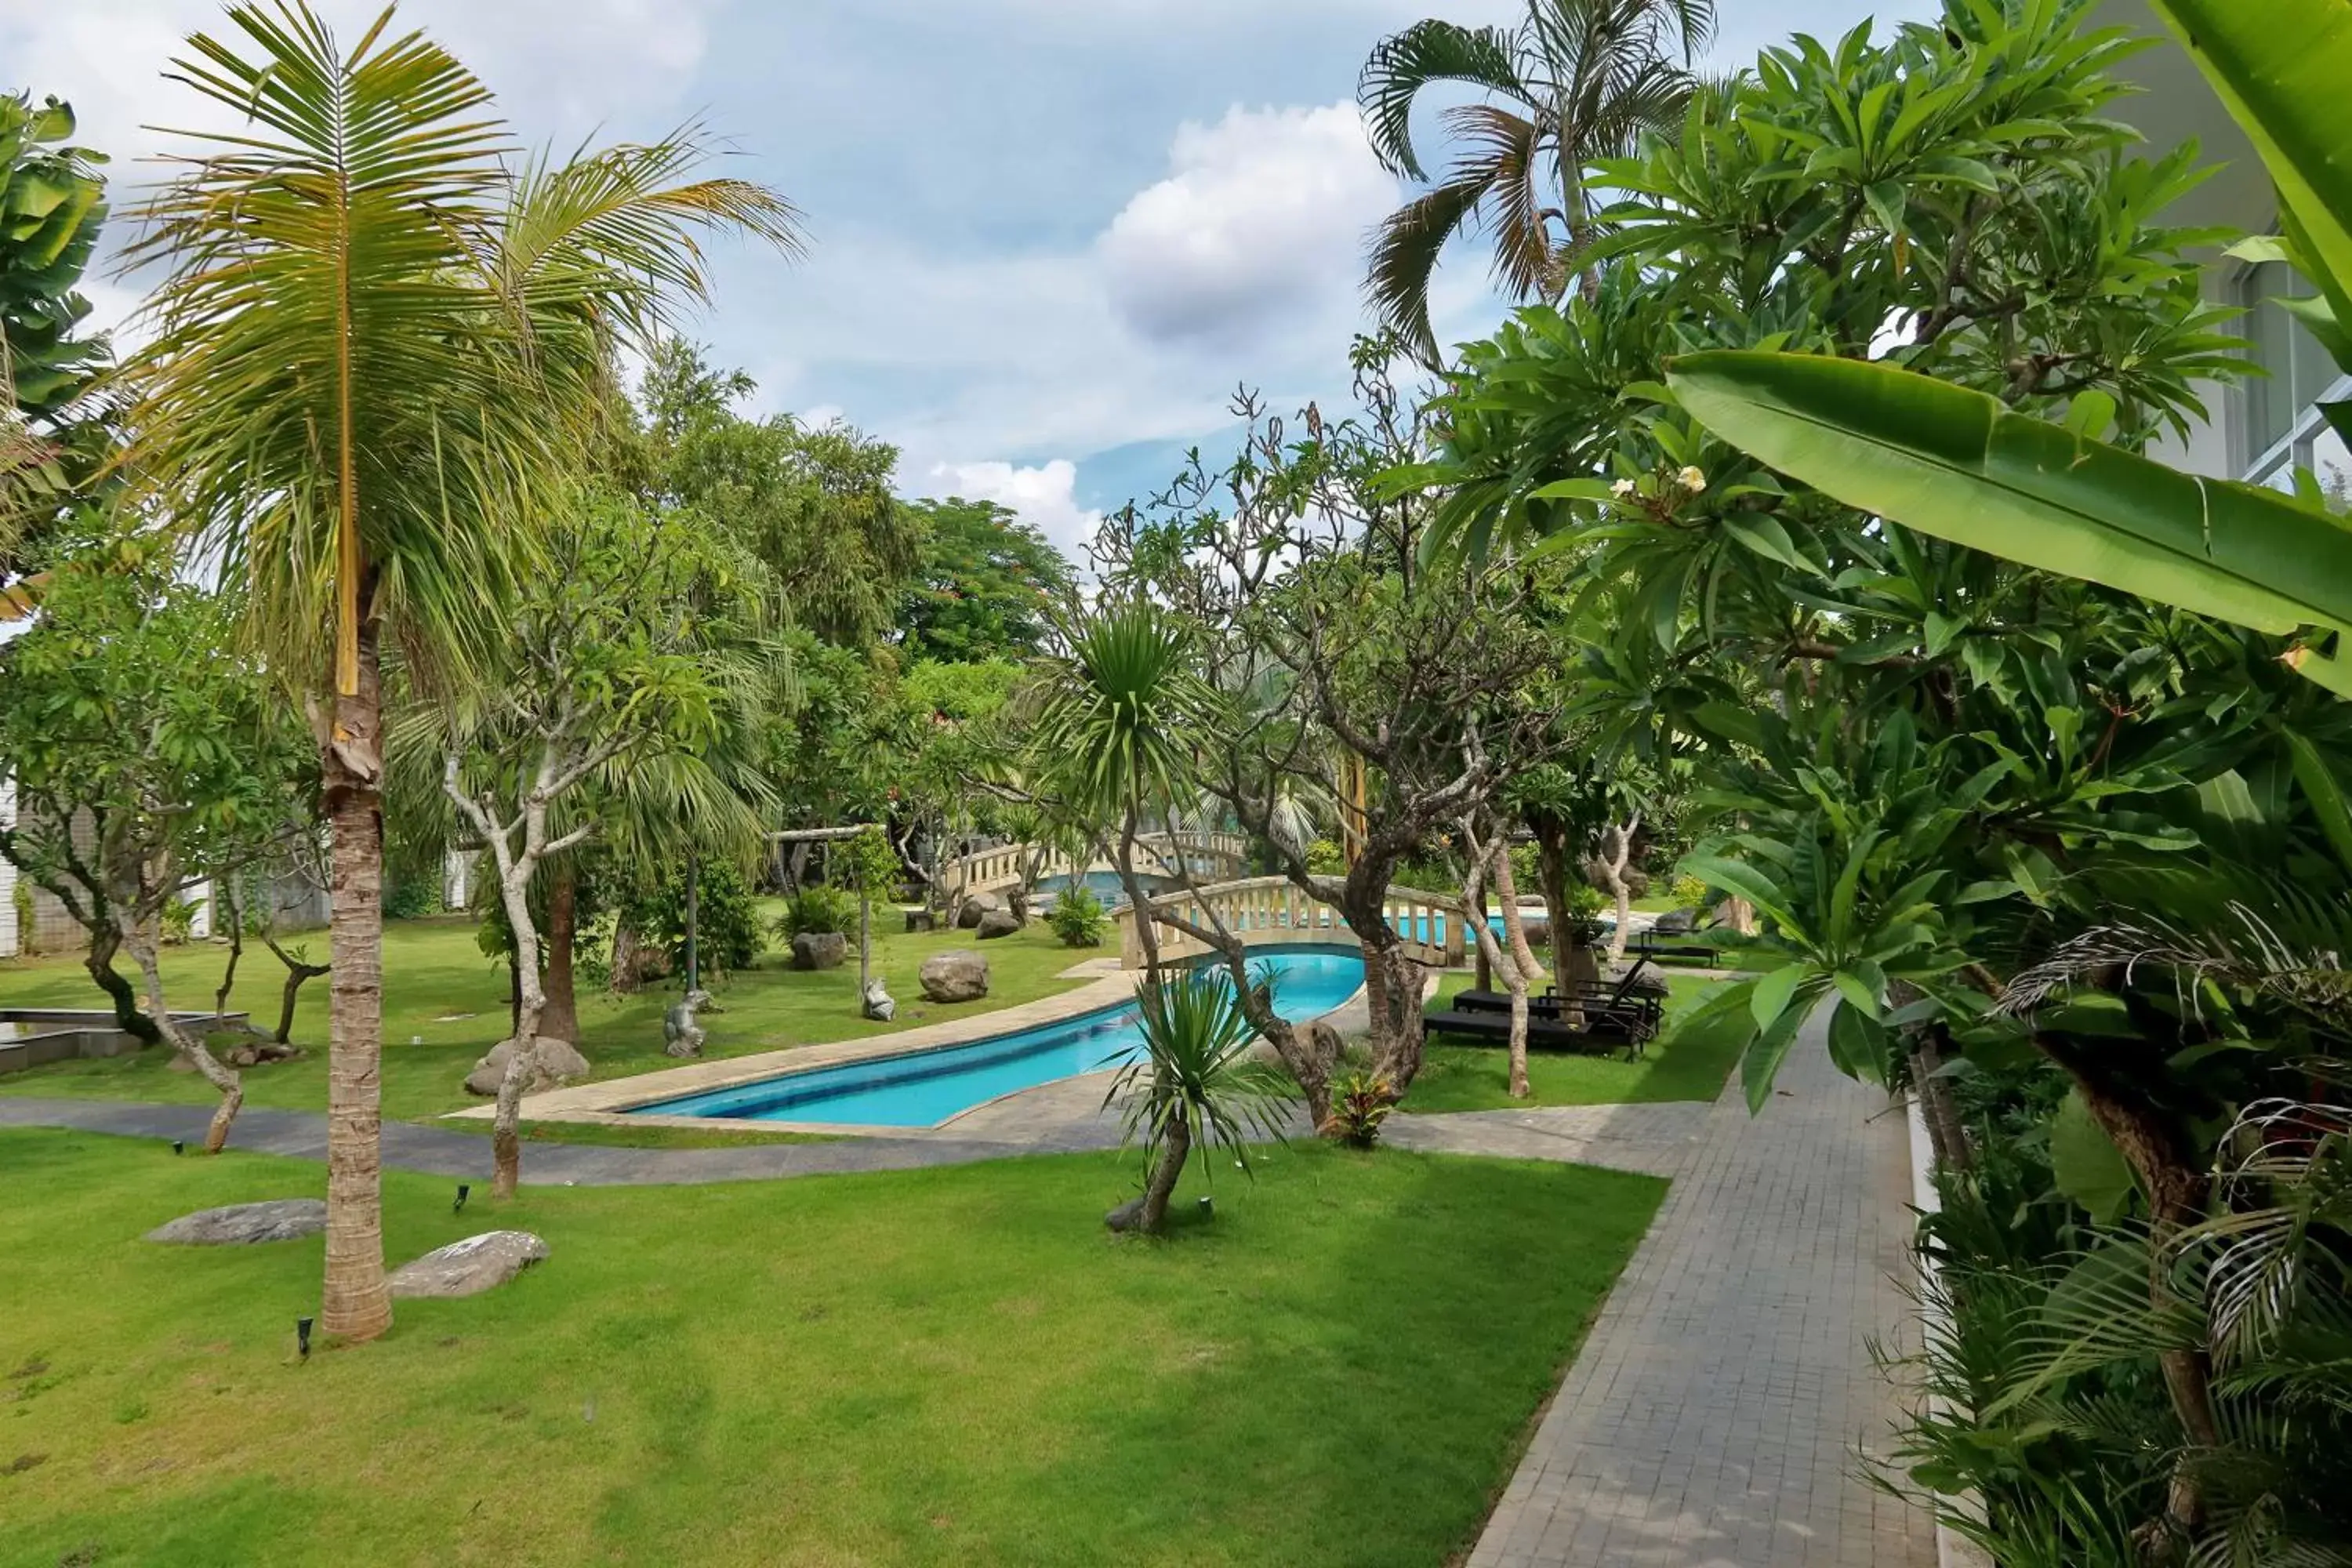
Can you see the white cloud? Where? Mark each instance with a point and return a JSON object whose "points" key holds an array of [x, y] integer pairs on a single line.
{"points": [[1043, 495], [1263, 213], [563, 69]]}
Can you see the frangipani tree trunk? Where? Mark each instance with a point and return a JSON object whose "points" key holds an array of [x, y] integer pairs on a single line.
{"points": [[518, 844], [1616, 856], [1504, 962], [141, 944], [1506, 885]]}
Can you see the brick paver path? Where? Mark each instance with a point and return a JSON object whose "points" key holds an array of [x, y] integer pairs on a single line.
{"points": [[1716, 1415]]}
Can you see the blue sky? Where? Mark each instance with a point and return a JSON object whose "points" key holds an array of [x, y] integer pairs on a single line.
{"points": [[1049, 237]]}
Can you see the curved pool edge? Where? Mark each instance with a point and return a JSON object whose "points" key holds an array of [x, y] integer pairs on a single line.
{"points": [[612, 1097], [613, 1102], [993, 1101]]}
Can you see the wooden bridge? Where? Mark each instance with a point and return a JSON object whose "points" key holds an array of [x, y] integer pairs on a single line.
{"points": [[1270, 910], [1211, 855]]}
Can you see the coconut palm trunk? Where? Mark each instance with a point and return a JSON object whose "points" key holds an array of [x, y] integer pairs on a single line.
{"points": [[355, 1302]]}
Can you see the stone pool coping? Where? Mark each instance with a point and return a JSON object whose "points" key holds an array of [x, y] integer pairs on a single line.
{"points": [[606, 1103]]}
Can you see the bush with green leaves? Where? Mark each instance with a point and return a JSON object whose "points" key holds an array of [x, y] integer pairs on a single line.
{"points": [[1077, 917], [728, 931], [410, 898], [1988, 813], [818, 908]]}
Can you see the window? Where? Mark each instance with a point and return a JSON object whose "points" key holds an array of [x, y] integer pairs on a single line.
{"points": [[2300, 371]]}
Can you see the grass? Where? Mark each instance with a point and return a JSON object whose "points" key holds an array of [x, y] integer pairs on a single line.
{"points": [[1456, 1077], [445, 1004], [928, 1367]]}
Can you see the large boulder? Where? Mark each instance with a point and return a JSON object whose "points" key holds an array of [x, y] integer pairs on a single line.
{"points": [[470, 1267], [996, 924], [819, 950], [277, 1220], [555, 1062], [1676, 922], [956, 975], [1537, 931], [978, 907]]}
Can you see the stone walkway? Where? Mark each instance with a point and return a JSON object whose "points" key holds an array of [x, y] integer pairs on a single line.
{"points": [[1065, 1117], [1715, 1416]]}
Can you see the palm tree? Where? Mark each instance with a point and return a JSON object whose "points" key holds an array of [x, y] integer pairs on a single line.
{"points": [[1203, 1092], [1577, 80], [376, 344], [1116, 734]]}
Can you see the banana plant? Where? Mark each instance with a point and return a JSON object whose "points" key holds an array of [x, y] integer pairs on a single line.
{"points": [[1961, 465]]}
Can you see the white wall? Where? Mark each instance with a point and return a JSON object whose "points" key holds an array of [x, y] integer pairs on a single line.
{"points": [[8, 938]]}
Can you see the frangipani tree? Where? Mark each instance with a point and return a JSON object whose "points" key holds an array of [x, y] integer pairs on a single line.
{"points": [[379, 338], [1971, 467], [148, 757], [616, 653]]}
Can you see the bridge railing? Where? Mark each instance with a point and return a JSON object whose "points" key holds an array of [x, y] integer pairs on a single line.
{"points": [[1213, 855], [1269, 910]]}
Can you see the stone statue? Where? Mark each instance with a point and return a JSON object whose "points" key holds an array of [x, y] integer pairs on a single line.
{"points": [[879, 1006], [681, 1035]]}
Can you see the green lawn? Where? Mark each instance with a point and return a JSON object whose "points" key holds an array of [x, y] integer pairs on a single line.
{"points": [[932, 1367], [1456, 1077], [444, 1005]]}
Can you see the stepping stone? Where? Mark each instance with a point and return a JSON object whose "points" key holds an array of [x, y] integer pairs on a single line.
{"points": [[278, 1220], [470, 1267]]}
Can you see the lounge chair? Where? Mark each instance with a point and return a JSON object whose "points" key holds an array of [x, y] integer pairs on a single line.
{"points": [[1543, 1034]]}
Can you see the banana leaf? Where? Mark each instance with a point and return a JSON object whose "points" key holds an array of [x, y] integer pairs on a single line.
{"points": [[1958, 464]]}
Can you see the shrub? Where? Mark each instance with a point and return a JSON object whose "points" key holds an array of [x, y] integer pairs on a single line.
{"points": [[1361, 1101], [818, 908], [1326, 858], [1690, 893], [728, 934], [178, 920], [1077, 917], [412, 897]]}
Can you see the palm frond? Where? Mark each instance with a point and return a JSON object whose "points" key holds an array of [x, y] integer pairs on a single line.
{"points": [[1404, 257], [1428, 52]]}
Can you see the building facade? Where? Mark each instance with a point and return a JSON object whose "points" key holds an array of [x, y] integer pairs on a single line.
{"points": [[2264, 428]]}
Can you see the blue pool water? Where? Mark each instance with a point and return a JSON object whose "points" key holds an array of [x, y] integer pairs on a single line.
{"points": [[1105, 885], [926, 1087]]}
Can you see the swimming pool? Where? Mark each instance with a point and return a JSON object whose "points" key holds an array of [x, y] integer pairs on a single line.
{"points": [[923, 1089], [1105, 885]]}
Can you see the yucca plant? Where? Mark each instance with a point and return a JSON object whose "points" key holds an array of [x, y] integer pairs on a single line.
{"points": [[1194, 1088], [379, 338]]}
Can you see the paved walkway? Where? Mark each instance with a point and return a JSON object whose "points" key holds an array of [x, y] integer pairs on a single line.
{"points": [[1714, 1416], [1060, 1118]]}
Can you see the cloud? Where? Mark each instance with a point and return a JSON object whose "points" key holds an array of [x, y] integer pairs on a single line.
{"points": [[563, 70], [1044, 495], [1263, 213]]}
